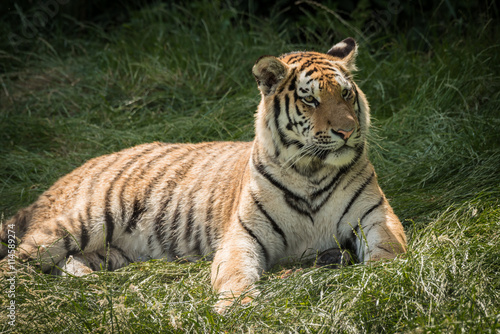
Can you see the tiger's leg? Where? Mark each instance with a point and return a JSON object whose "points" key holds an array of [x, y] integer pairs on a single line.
{"points": [[48, 242], [381, 239], [83, 264], [237, 265]]}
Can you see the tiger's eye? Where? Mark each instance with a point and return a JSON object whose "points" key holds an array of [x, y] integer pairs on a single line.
{"points": [[309, 99], [346, 93]]}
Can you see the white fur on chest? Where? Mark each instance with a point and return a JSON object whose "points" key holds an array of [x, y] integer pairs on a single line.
{"points": [[310, 231]]}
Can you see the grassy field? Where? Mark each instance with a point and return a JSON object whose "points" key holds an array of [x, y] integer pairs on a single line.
{"points": [[183, 74]]}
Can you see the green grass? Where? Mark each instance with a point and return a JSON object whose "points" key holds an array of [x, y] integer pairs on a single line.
{"points": [[184, 75]]}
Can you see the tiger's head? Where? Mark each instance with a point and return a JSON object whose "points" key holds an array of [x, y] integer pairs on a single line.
{"points": [[311, 109]]}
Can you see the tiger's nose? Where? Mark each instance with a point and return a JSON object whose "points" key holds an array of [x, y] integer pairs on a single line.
{"points": [[344, 134]]}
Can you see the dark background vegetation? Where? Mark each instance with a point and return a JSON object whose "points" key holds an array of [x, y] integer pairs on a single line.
{"points": [[79, 79], [416, 20]]}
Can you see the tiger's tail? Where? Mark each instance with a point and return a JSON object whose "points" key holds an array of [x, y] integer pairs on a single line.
{"points": [[12, 231]]}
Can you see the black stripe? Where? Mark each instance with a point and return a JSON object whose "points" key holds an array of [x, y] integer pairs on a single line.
{"points": [[298, 203], [277, 112], [250, 232], [300, 207], [361, 170], [137, 213], [197, 241], [262, 171], [93, 266], [189, 221], [318, 182], [150, 241], [308, 73], [160, 230], [325, 65], [385, 249], [277, 152], [93, 182], [331, 189], [275, 226], [174, 233], [367, 229], [350, 243], [162, 213], [356, 103], [124, 187], [84, 234], [143, 170], [66, 238], [108, 210], [110, 226], [291, 198], [291, 77], [292, 58], [356, 195], [160, 219], [287, 111], [299, 113], [322, 154], [102, 258], [305, 65], [333, 184], [295, 97], [282, 136], [371, 209], [210, 217], [209, 233], [292, 86]]}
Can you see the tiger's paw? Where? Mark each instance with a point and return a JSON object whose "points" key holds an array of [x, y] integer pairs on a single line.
{"points": [[73, 266], [334, 258], [226, 302]]}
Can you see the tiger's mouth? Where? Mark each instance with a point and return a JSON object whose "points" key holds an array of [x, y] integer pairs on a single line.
{"points": [[333, 146], [322, 150]]}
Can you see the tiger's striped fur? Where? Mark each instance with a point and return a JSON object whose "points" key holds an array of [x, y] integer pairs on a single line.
{"points": [[303, 185]]}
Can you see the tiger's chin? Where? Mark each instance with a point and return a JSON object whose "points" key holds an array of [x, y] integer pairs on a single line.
{"points": [[321, 158], [336, 156], [341, 157]]}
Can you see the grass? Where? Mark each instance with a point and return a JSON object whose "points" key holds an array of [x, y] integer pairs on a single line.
{"points": [[183, 74]]}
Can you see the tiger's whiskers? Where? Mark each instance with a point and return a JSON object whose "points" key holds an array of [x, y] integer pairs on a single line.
{"points": [[302, 152]]}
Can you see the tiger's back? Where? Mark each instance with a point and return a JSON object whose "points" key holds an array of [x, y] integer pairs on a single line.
{"points": [[149, 201]]}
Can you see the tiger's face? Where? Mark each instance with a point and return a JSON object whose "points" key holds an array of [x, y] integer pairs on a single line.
{"points": [[312, 107]]}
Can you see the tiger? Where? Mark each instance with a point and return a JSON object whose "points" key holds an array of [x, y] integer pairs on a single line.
{"points": [[303, 186]]}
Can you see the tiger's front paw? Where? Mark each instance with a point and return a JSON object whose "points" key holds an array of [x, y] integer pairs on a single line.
{"points": [[226, 302], [334, 258]]}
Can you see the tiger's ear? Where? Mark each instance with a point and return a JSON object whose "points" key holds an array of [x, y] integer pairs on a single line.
{"points": [[269, 71], [346, 51]]}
